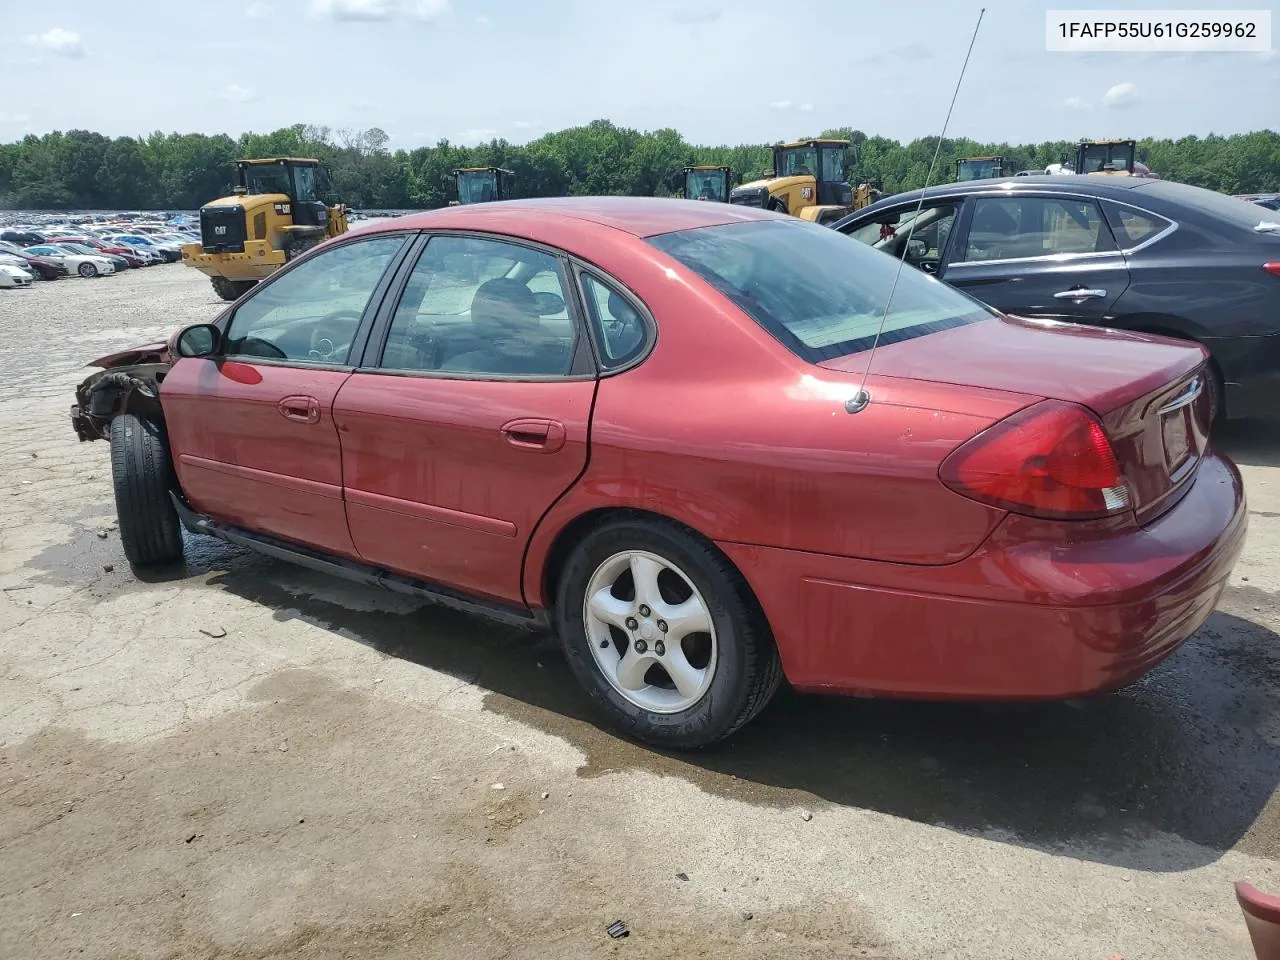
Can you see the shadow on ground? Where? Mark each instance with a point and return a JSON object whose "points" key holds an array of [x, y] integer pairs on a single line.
{"points": [[1189, 752], [1254, 443]]}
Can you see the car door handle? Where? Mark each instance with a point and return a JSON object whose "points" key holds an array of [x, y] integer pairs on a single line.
{"points": [[1080, 293], [301, 409], [545, 436]]}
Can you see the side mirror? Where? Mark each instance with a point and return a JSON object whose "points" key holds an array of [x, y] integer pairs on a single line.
{"points": [[201, 340]]}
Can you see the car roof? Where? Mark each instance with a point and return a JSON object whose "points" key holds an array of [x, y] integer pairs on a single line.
{"points": [[638, 216]]}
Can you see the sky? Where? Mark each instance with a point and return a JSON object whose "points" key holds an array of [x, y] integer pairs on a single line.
{"points": [[744, 71]]}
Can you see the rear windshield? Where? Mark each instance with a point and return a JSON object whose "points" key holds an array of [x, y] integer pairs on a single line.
{"points": [[819, 292], [1218, 205]]}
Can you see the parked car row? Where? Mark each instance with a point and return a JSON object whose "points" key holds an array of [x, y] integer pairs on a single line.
{"points": [[29, 254]]}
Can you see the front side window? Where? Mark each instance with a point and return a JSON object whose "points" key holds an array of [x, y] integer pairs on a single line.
{"points": [[1012, 228], [820, 295], [799, 161], [921, 236], [311, 313], [484, 307], [304, 184]]}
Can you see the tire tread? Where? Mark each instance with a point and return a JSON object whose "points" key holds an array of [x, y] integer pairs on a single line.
{"points": [[142, 476]]}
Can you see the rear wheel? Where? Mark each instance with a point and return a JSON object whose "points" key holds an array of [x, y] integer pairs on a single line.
{"points": [[87, 270], [142, 476], [663, 633]]}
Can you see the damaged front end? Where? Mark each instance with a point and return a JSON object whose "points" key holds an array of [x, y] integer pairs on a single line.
{"points": [[129, 381]]}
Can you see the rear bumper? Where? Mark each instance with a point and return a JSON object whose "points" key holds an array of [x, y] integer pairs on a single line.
{"points": [[1018, 619], [258, 261]]}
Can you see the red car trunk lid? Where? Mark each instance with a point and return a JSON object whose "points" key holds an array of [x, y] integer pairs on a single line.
{"points": [[1152, 393]]}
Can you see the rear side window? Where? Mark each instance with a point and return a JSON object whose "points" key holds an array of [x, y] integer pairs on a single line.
{"points": [[1133, 227], [619, 328], [1014, 228], [820, 293]]}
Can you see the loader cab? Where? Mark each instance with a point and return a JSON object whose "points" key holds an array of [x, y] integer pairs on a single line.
{"points": [[296, 178], [1115, 157], [483, 184], [707, 183], [980, 168], [824, 160]]}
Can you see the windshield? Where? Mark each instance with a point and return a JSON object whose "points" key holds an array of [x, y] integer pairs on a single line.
{"points": [[705, 185], [813, 289], [266, 178], [799, 161], [833, 164], [478, 187]]}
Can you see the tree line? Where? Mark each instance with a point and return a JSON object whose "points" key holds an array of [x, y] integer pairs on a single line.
{"points": [[78, 169]]}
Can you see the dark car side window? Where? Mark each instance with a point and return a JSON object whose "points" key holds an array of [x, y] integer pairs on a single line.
{"points": [[1022, 227], [929, 232], [1133, 227], [619, 328]]}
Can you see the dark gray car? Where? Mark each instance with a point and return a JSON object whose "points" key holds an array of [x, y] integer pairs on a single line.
{"points": [[1131, 253]]}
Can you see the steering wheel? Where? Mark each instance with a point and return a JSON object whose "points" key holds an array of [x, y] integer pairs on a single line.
{"points": [[322, 347]]}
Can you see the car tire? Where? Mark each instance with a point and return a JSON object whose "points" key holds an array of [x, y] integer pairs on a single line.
{"points": [[87, 270], [1217, 396], [731, 671], [142, 476]]}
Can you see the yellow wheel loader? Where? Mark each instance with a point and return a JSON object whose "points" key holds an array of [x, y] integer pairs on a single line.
{"points": [[707, 183], [808, 181], [482, 184], [274, 215]]}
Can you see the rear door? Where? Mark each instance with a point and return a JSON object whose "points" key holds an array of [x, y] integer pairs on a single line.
{"points": [[469, 418], [1038, 255], [251, 430]]}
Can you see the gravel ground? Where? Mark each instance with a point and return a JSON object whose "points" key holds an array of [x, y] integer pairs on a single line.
{"points": [[250, 760]]}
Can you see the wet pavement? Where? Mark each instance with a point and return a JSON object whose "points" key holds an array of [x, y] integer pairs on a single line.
{"points": [[241, 758]]}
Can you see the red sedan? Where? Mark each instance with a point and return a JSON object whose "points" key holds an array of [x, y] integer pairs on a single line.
{"points": [[638, 421]]}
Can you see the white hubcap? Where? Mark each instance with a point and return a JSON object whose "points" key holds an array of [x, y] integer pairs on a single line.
{"points": [[650, 631]]}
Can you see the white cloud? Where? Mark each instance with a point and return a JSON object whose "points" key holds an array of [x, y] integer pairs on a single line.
{"points": [[1076, 103], [381, 9], [697, 14], [14, 118], [237, 94], [63, 42], [912, 51], [806, 107], [1121, 95], [780, 104], [257, 10], [527, 124], [484, 21], [476, 135]]}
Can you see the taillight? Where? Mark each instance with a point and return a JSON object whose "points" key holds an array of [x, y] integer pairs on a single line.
{"points": [[1272, 268], [1052, 460]]}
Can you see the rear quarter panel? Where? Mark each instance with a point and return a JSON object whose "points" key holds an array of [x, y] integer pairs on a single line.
{"points": [[724, 430]]}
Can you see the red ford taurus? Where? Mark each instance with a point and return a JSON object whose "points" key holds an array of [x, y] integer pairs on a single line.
{"points": [[638, 421]]}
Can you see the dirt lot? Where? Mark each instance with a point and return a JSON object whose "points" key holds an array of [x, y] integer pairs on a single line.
{"points": [[250, 760]]}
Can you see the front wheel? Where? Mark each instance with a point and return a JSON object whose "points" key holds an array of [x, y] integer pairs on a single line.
{"points": [[231, 289], [142, 475], [778, 206], [87, 270], [664, 634]]}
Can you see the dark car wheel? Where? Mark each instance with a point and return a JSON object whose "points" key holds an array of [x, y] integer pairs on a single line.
{"points": [[664, 634], [142, 475], [87, 270]]}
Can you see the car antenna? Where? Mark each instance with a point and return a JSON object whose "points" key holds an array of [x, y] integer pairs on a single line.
{"points": [[860, 399]]}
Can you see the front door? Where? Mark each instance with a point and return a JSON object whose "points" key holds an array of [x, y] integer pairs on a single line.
{"points": [[251, 430], [473, 419], [1039, 256]]}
